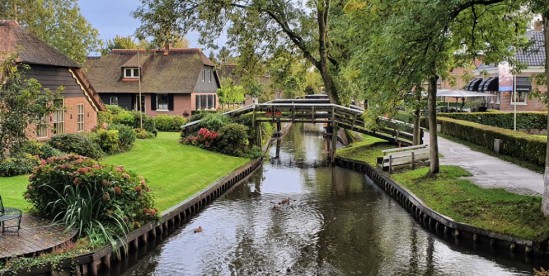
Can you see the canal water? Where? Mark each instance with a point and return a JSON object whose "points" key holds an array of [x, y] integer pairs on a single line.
{"points": [[298, 216]]}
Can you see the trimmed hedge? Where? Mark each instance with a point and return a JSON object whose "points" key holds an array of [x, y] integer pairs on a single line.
{"points": [[515, 144], [525, 120], [169, 122], [80, 144]]}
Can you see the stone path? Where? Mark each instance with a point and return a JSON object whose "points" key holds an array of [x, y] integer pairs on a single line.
{"points": [[489, 171]]}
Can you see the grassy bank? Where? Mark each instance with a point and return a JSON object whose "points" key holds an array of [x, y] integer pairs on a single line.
{"points": [[450, 194], [366, 150], [174, 171]]}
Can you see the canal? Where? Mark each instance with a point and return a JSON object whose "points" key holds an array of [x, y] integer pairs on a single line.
{"points": [[298, 216]]}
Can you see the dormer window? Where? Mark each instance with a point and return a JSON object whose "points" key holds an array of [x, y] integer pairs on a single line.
{"points": [[131, 72]]}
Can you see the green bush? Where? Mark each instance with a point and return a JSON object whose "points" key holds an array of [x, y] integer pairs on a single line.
{"points": [[101, 201], [516, 144], [232, 140], [141, 133], [265, 128], [19, 165], [525, 120], [107, 140], [39, 149], [126, 136], [214, 121], [168, 122], [129, 118], [77, 143]]}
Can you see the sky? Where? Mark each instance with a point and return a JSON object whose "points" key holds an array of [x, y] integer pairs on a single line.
{"points": [[112, 18]]}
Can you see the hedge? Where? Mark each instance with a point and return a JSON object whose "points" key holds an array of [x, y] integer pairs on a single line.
{"points": [[515, 144], [525, 120]]}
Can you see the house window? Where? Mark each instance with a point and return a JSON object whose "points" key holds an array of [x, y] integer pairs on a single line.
{"points": [[113, 100], [210, 75], [520, 98], [203, 75], [204, 102], [80, 117], [59, 119], [162, 102], [42, 128], [131, 72]]}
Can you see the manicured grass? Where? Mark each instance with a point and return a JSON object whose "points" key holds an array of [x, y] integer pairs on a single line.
{"points": [[492, 209], [12, 189], [174, 171], [366, 150]]}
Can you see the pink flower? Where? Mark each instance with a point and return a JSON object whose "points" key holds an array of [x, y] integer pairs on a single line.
{"points": [[77, 181], [117, 190]]}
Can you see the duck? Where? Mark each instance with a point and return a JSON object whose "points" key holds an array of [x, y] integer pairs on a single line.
{"points": [[285, 202], [198, 229]]}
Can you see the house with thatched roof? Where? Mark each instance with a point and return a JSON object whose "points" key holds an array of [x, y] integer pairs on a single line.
{"points": [[170, 81], [52, 69]]}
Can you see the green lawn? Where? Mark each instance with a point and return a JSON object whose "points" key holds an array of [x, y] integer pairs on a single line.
{"points": [[366, 150], [174, 171], [493, 209], [12, 189]]}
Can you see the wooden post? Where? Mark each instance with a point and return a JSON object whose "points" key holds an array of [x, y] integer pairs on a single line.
{"points": [[293, 114], [390, 164], [334, 142], [413, 161]]}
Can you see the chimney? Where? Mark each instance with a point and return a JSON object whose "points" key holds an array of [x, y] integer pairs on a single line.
{"points": [[538, 26], [166, 48]]}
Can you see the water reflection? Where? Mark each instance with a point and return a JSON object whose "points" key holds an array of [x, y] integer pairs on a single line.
{"points": [[297, 216]]}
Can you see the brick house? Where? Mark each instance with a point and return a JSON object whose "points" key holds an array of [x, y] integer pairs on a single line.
{"points": [[171, 81], [498, 79], [52, 69]]}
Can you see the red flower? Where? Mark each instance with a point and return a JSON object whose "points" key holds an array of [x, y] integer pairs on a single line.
{"points": [[117, 190]]}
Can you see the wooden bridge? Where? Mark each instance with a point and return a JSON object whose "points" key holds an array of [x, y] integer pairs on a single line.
{"points": [[320, 111]]}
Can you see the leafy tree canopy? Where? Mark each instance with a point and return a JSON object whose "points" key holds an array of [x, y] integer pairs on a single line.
{"points": [[57, 22]]}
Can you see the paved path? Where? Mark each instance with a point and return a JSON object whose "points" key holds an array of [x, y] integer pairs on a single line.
{"points": [[489, 171]]}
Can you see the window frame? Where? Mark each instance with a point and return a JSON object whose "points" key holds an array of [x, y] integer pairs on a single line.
{"points": [[42, 127], [167, 104], [113, 100], [524, 101], [58, 119], [80, 117], [134, 72]]}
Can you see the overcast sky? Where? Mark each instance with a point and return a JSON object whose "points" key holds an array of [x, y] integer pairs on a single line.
{"points": [[112, 17]]}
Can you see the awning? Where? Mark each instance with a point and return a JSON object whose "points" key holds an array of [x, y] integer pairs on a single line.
{"points": [[523, 84], [461, 93], [491, 84], [473, 84]]}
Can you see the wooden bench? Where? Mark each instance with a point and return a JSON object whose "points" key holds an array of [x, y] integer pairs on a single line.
{"points": [[402, 157], [7, 214]]}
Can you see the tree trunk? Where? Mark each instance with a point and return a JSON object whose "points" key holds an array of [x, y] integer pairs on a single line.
{"points": [[417, 114], [323, 8], [434, 167], [545, 199]]}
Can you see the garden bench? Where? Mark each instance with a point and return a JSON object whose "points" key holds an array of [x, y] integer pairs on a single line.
{"points": [[404, 156], [7, 214]]}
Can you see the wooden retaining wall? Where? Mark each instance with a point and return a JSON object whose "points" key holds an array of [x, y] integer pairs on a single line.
{"points": [[444, 225]]}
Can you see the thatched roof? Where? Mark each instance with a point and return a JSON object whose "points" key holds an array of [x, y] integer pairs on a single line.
{"points": [[30, 49], [175, 72]]}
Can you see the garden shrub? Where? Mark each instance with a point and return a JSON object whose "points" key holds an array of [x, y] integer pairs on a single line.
{"points": [[525, 120], [141, 133], [126, 136], [101, 201], [214, 121], [205, 139], [77, 143], [168, 122], [107, 140], [42, 150], [233, 139], [19, 165], [515, 144]]}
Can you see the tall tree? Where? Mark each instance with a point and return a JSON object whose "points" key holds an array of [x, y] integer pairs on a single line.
{"points": [[22, 102], [258, 26], [432, 36], [57, 22]]}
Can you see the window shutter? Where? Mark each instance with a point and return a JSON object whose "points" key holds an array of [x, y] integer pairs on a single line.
{"points": [[153, 101], [170, 102]]}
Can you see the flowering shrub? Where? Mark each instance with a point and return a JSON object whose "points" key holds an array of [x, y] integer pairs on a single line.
{"points": [[101, 201], [205, 139]]}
